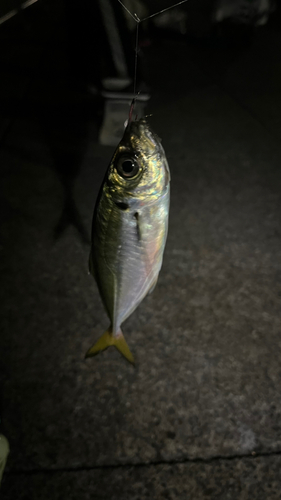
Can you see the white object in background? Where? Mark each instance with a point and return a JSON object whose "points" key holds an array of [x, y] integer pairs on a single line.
{"points": [[4, 452], [254, 12], [7, 11]]}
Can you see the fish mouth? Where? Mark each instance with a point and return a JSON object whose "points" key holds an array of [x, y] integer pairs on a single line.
{"points": [[138, 135]]}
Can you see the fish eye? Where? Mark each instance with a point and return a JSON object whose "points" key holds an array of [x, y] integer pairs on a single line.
{"points": [[127, 167]]}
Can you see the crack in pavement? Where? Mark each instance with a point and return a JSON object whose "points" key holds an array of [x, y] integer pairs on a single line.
{"points": [[86, 468]]}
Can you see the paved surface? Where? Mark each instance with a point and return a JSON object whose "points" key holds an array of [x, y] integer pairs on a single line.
{"points": [[199, 417]]}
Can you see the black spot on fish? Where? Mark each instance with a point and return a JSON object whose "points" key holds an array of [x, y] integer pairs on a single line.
{"points": [[121, 205], [136, 215]]}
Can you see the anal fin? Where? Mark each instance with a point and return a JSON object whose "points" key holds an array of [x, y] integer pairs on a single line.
{"points": [[153, 285]]}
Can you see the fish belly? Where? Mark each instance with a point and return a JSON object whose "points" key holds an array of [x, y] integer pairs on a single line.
{"points": [[127, 254]]}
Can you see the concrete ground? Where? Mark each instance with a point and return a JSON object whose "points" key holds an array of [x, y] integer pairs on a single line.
{"points": [[200, 415]]}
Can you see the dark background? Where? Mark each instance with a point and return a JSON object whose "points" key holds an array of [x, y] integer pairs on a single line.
{"points": [[199, 416]]}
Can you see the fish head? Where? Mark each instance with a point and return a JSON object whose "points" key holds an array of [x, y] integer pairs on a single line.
{"points": [[138, 170]]}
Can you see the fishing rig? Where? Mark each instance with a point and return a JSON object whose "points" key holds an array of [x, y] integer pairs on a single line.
{"points": [[116, 100]]}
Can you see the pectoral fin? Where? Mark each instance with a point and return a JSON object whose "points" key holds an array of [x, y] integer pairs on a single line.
{"points": [[106, 340]]}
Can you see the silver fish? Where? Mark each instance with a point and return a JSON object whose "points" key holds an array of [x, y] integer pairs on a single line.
{"points": [[129, 231]]}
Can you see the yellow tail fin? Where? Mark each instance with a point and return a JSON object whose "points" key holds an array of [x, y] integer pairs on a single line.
{"points": [[106, 340]]}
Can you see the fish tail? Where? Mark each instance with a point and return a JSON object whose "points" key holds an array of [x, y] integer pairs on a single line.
{"points": [[108, 339]]}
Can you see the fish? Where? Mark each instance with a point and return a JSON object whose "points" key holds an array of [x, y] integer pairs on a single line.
{"points": [[129, 229]]}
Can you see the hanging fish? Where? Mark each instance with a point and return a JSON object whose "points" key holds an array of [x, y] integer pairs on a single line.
{"points": [[129, 232]]}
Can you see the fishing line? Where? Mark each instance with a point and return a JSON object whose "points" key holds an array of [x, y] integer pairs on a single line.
{"points": [[164, 10], [124, 7], [136, 57], [138, 21]]}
